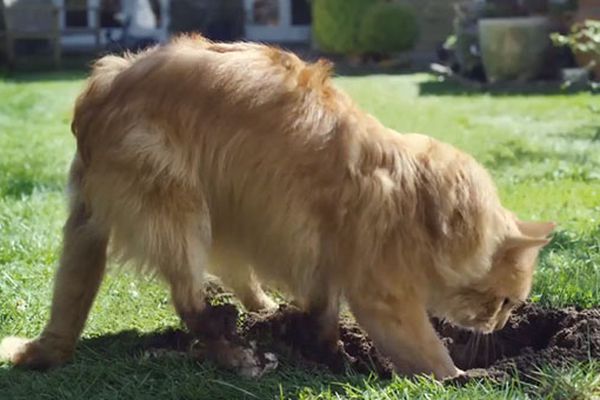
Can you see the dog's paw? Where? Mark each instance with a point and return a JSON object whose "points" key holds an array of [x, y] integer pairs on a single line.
{"points": [[10, 347], [32, 354]]}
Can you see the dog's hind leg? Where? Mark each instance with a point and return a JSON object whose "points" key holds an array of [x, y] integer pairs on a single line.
{"points": [[237, 274], [180, 254], [81, 269], [216, 326]]}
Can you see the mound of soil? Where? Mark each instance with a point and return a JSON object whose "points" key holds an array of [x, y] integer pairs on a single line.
{"points": [[534, 336], [293, 332]]}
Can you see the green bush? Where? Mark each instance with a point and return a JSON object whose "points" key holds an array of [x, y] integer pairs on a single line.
{"points": [[336, 24], [388, 27]]}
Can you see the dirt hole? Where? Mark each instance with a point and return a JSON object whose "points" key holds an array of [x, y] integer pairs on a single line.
{"points": [[533, 337]]}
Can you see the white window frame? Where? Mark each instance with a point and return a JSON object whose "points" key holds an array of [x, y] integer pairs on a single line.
{"points": [[161, 33], [284, 32]]}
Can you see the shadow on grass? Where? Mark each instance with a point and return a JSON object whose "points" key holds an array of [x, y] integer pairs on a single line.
{"points": [[519, 152], [121, 366], [46, 75], [19, 186], [448, 88], [589, 133], [516, 152], [19, 181], [31, 66], [36, 70], [345, 69]]}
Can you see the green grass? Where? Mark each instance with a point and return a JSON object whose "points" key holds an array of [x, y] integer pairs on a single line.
{"points": [[543, 150]]}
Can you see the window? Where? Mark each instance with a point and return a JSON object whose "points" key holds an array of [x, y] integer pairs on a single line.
{"points": [[301, 12], [76, 15], [265, 12], [108, 11]]}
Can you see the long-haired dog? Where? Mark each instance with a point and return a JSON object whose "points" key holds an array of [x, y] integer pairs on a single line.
{"points": [[243, 161]]}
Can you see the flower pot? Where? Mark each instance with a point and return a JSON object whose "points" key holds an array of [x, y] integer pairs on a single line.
{"points": [[514, 48], [584, 60]]}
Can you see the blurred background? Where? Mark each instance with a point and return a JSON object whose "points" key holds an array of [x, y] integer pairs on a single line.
{"points": [[469, 40]]}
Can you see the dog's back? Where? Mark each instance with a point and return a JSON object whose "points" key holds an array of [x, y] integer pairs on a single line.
{"points": [[222, 142]]}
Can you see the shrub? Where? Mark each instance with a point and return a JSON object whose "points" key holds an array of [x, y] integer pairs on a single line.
{"points": [[584, 37], [388, 27], [584, 41], [336, 24]]}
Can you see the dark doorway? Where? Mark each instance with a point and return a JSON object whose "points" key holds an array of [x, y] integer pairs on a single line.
{"points": [[301, 12]]}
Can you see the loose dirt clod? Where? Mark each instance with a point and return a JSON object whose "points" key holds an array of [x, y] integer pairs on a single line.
{"points": [[533, 337]]}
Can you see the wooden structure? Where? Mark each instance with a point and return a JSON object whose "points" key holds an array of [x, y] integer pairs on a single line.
{"points": [[48, 20], [31, 20]]}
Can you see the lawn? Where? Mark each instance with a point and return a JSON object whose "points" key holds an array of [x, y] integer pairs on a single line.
{"points": [[543, 150]]}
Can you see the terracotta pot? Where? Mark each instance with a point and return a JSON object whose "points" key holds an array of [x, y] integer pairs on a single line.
{"points": [[588, 9]]}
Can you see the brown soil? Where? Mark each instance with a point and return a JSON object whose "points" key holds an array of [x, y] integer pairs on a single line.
{"points": [[534, 336]]}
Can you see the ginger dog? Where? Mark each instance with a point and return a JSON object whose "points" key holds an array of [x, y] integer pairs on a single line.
{"points": [[243, 161]]}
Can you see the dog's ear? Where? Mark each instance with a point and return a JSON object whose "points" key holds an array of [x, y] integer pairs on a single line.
{"points": [[536, 229]]}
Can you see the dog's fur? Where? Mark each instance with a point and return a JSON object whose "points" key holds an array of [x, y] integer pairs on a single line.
{"points": [[242, 160]]}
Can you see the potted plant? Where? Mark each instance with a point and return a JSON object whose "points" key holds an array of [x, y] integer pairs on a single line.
{"points": [[584, 40]]}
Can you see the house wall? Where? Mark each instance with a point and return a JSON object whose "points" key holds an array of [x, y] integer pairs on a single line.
{"points": [[434, 16], [435, 19]]}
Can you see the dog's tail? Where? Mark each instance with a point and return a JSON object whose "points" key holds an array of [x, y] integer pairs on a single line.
{"points": [[94, 96]]}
